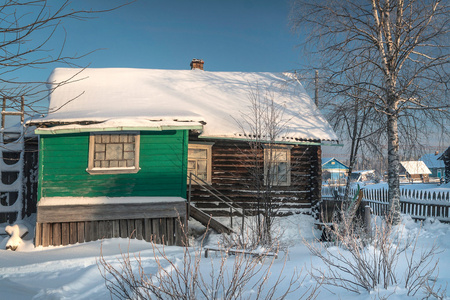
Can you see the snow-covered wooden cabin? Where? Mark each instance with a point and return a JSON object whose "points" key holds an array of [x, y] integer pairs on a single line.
{"points": [[117, 145], [415, 171]]}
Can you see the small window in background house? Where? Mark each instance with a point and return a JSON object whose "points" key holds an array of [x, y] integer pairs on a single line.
{"points": [[113, 153], [277, 166], [199, 162]]}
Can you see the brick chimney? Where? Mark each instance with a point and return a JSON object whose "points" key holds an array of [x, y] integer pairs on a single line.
{"points": [[197, 64]]}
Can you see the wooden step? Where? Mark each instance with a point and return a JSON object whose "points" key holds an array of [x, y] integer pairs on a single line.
{"points": [[208, 220]]}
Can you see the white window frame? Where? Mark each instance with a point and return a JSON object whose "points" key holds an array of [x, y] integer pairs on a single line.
{"points": [[284, 148], [208, 147], [114, 170]]}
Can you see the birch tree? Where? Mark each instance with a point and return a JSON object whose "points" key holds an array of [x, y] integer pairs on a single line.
{"points": [[406, 46]]}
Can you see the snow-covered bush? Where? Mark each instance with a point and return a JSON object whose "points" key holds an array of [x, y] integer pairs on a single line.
{"points": [[242, 275], [388, 258]]}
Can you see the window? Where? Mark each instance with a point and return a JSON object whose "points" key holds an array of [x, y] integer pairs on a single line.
{"points": [[199, 161], [277, 166], [113, 153]]}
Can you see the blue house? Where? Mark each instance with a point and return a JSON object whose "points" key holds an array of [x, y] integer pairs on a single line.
{"points": [[436, 166], [333, 170]]}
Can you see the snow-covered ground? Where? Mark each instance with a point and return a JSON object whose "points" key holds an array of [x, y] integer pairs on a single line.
{"points": [[71, 272]]}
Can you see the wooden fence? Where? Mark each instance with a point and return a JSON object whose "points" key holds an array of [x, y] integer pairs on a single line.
{"points": [[419, 204]]}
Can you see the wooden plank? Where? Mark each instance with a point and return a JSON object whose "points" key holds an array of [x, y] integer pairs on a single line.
{"points": [[65, 233], [147, 229], [77, 213], [139, 228], [156, 231], [123, 228], [108, 227], [87, 231], [38, 235], [101, 229], [73, 233], [56, 234], [46, 234], [94, 231], [115, 228], [163, 230], [80, 232], [131, 229], [206, 219], [170, 231]]}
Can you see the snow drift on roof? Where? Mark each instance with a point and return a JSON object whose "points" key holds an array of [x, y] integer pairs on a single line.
{"points": [[219, 99], [415, 167]]}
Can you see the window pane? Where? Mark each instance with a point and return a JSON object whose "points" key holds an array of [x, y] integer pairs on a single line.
{"points": [[201, 166], [280, 156], [114, 151], [197, 153], [282, 172]]}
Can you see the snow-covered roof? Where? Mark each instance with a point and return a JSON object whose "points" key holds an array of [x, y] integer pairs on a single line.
{"points": [[415, 167], [220, 101], [431, 160]]}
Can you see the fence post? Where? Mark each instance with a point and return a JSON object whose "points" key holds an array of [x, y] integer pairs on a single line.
{"points": [[367, 220]]}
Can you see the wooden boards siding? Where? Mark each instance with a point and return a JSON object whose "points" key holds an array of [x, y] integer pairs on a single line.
{"points": [[166, 231], [231, 165], [70, 224], [64, 159]]}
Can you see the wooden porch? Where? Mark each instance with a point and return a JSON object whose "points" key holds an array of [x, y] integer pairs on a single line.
{"points": [[71, 220]]}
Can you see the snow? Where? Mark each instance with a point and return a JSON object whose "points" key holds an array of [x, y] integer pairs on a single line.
{"points": [[219, 99], [54, 201], [16, 232], [415, 167], [71, 272], [432, 161]]}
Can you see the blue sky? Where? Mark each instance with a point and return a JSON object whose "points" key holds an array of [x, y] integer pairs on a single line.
{"points": [[230, 35]]}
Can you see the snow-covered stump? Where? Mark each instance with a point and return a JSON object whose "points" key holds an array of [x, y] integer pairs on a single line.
{"points": [[16, 232]]}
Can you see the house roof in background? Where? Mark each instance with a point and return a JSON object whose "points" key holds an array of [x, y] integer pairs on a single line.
{"points": [[326, 160], [219, 100], [432, 161], [415, 167]]}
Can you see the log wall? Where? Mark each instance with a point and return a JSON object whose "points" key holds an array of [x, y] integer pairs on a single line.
{"points": [[232, 165]]}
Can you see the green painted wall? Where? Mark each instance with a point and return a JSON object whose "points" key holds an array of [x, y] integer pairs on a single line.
{"points": [[63, 160]]}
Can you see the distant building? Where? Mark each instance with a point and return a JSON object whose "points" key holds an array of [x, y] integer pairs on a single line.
{"points": [[436, 166], [415, 171], [445, 157], [333, 170]]}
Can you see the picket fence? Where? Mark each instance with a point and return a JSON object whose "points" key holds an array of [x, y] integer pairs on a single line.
{"points": [[419, 204]]}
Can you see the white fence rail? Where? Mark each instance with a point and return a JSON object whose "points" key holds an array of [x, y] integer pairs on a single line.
{"points": [[419, 204]]}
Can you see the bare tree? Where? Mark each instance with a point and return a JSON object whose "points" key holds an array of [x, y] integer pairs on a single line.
{"points": [[262, 126], [404, 43], [27, 30]]}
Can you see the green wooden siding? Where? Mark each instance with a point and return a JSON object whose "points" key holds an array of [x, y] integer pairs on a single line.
{"points": [[63, 160]]}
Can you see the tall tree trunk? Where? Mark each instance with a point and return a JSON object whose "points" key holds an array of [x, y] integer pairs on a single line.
{"points": [[393, 167]]}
